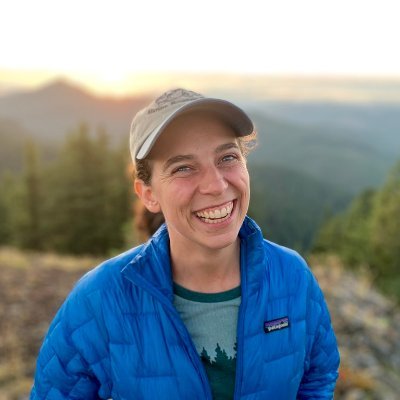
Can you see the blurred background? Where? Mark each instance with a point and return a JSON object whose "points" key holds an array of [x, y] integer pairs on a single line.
{"points": [[321, 80]]}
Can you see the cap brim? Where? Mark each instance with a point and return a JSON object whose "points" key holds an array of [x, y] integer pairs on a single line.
{"points": [[233, 115]]}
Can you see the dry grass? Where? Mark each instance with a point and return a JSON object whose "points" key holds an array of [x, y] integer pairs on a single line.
{"points": [[15, 258], [32, 287]]}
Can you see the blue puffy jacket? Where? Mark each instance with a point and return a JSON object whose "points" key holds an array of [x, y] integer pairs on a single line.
{"points": [[119, 336]]}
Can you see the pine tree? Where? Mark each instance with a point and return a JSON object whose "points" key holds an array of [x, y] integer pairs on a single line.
{"points": [[369, 233], [221, 357], [223, 368], [5, 222], [31, 233], [88, 200], [348, 234], [385, 225], [205, 357], [23, 201], [118, 196], [355, 246]]}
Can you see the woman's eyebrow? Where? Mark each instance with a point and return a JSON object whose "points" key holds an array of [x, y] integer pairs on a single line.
{"points": [[226, 146], [191, 157], [177, 159]]}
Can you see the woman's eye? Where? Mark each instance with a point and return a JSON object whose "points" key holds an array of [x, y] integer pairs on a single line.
{"points": [[229, 157], [181, 168]]}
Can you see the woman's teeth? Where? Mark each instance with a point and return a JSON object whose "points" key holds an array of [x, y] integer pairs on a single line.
{"points": [[216, 215]]}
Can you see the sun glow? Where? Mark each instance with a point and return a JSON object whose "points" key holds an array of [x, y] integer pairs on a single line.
{"points": [[121, 48]]}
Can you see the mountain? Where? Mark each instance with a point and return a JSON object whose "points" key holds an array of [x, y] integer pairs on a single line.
{"points": [[289, 205], [12, 139], [49, 112], [374, 123], [349, 145], [335, 156]]}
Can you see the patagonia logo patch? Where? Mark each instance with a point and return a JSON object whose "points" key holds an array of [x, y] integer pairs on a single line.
{"points": [[276, 324]]}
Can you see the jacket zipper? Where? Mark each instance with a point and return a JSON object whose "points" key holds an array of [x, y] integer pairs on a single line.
{"points": [[193, 353], [240, 327], [183, 332]]}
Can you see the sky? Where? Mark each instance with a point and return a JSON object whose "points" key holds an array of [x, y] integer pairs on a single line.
{"points": [[119, 45]]}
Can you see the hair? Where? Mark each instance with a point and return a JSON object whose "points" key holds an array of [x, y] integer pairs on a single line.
{"points": [[143, 170], [146, 222], [247, 143], [143, 167]]}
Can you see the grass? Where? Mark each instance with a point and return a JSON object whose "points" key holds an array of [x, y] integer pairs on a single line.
{"points": [[15, 258], [32, 288]]}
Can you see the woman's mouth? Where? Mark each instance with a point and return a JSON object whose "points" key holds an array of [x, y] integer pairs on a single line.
{"points": [[216, 214]]}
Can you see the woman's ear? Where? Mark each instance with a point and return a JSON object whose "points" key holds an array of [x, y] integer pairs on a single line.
{"points": [[146, 195]]}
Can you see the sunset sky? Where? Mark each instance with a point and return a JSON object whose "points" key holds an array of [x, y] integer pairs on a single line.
{"points": [[115, 46]]}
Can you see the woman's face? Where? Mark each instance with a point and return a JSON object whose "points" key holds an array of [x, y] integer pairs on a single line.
{"points": [[199, 181]]}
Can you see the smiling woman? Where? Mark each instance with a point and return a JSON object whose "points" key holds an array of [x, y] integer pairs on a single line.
{"points": [[197, 162], [207, 308]]}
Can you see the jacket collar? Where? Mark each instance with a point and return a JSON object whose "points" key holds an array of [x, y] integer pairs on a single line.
{"points": [[151, 268], [252, 256]]}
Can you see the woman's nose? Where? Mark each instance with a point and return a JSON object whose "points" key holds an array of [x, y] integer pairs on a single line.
{"points": [[212, 182]]}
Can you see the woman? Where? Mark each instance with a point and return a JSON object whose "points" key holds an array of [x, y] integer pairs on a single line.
{"points": [[206, 309]]}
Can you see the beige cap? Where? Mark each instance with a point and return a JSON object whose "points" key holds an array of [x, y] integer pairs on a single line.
{"points": [[148, 123]]}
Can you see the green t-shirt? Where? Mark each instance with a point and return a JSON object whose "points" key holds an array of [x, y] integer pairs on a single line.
{"points": [[211, 319]]}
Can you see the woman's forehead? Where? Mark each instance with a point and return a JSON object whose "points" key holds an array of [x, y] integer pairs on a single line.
{"points": [[193, 145], [193, 129]]}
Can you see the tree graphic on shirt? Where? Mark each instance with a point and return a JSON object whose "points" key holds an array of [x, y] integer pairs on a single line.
{"points": [[220, 371]]}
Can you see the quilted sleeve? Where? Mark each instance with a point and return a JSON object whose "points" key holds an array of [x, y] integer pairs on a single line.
{"points": [[61, 371], [322, 360]]}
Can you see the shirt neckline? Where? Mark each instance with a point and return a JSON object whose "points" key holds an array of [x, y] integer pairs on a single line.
{"points": [[201, 297]]}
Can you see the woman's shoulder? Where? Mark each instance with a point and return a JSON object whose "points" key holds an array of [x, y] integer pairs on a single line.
{"points": [[289, 267], [288, 264], [107, 274], [86, 299], [284, 255], [277, 259]]}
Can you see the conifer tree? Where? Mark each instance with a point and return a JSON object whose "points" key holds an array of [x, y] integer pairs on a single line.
{"points": [[205, 357], [224, 367], [385, 238], [31, 233], [85, 187], [23, 202], [348, 234], [5, 226], [369, 233], [221, 356]]}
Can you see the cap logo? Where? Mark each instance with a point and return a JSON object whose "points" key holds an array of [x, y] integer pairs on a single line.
{"points": [[173, 97]]}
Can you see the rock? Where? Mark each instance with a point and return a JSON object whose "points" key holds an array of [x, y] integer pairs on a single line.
{"points": [[368, 332]]}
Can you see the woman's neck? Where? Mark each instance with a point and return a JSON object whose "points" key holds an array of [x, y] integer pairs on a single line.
{"points": [[208, 271]]}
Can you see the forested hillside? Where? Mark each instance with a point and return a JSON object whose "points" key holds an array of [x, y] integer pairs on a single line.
{"points": [[78, 203], [336, 156], [312, 159], [367, 233], [289, 205]]}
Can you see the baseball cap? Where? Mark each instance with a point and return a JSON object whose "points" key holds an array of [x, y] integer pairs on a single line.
{"points": [[148, 123]]}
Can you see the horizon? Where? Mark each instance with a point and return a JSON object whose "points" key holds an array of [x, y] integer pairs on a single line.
{"points": [[341, 88], [130, 48]]}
